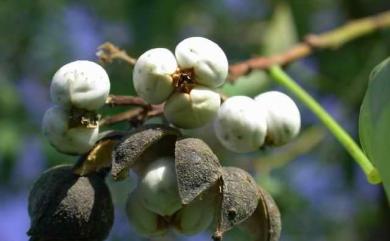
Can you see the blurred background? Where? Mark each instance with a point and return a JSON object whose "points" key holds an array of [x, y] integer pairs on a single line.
{"points": [[321, 192]]}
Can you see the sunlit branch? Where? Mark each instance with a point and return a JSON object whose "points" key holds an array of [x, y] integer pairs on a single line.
{"points": [[328, 40]]}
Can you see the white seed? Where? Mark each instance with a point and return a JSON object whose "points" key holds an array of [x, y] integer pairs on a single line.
{"points": [[145, 222], [74, 141], [283, 117], [158, 188], [194, 109], [83, 84], [240, 124], [195, 217], [152, 75], [206, 58]]}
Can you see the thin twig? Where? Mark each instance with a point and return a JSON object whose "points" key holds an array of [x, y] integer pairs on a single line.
{"points": [[121, 117], [156, 110], [136, 115], [108, 52], [117, 100], [328, 40]]}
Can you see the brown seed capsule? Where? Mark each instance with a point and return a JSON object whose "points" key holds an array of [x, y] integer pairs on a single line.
{"points": [[265, 223], [239, 199], [66, 207], [197, 168], [141, 147]]}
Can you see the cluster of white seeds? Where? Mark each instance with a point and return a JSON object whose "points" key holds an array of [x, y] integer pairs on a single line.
{"points": [[244, 124], [156, 199], [76, 88], [186, 81]]}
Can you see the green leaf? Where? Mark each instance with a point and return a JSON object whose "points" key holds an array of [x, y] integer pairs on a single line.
{"points": [[374, 121], [281, 32]]}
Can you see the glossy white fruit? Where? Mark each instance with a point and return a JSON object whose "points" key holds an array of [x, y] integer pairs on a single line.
{"points": [[206, 58], [241, 124], [195, 217], [82, 84], [152, 75], [283, 117], [158, 188], [145, 222], [194, 109], [75, 141]]}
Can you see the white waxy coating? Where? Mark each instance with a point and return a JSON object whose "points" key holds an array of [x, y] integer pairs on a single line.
{"points": [[206, 58], [158, 188], [152, 75], [83, 84], [283, 117], [195, 217], [145, 222], [194, 109], [74, 141], [240, 125]]}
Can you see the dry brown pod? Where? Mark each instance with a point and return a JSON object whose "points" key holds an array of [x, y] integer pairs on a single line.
{"points": [[239, 199], [66, 207], [142, 146], [197, 167], [265, 223]]}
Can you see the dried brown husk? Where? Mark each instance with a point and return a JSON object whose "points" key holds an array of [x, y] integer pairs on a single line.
{"points": [[265, 223], [197, 168], [239, 199], [66, 207], [141, 147]]}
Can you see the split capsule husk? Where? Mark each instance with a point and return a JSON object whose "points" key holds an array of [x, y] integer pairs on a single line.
{"points": [[239, 201], [197, 167], [141, 147], [265, 223], [66, 207], [245, 204]]}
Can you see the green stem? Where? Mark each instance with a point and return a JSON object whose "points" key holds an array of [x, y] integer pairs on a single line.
{"points": [[341, 135]]}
